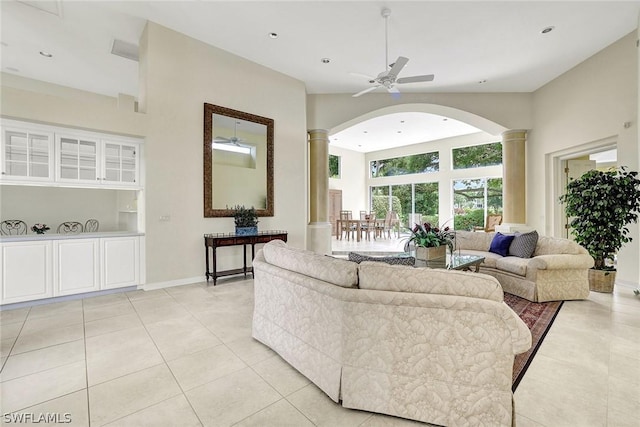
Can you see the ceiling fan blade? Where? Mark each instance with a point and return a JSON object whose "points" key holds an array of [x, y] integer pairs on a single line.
{"points": [[416, 79], [221, 140], [367, 90], [366, 76], [398, 66]]}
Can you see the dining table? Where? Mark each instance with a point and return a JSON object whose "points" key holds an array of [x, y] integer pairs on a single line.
{"points": [[358, 226]]}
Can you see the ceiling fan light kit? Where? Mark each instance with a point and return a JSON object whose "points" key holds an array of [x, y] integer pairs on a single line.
{"points": [[388, 79]]}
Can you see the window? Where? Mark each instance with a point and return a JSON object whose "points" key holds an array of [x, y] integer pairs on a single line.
{"points": [[416, 163], [477, 156], [474, 199], [334, 166], [405, 200]]}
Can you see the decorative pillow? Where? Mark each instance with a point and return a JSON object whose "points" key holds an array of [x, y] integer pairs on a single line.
{"points": [[500, 243], [524, 244], [394, 260]]}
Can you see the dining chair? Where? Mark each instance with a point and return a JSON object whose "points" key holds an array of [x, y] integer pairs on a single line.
{"points": [[368, 226], [70, 227], [10, 227], [345, 224], [490, 224], [389, 224], [91, 226]]}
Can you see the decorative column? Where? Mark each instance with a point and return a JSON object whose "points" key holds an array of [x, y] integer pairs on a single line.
{"points": [[319, 228], [514, 198]]}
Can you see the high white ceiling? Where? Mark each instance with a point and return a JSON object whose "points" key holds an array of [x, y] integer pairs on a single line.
{"points": [[462, 43]]}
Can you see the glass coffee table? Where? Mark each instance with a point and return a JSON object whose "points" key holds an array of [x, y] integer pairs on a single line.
{"points": [[453, 262]]}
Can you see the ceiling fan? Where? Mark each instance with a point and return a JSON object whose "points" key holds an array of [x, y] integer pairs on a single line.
{"points": [[389, 77], [234, 140]]}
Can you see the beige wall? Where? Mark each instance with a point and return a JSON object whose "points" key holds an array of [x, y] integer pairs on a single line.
{"points": [[587, 104], [353, 174], [178, 75]]}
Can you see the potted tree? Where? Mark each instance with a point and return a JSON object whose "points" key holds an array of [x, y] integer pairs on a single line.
{"points": [[603, 204], [246, 220]]}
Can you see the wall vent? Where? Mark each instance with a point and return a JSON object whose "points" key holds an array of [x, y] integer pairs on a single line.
{"points": [[125, 49]]}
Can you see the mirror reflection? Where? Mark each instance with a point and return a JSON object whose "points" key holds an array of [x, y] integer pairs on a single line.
{"points": [[238, 161]]}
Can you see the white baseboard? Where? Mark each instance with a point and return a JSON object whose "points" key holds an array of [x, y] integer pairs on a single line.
{"points": [[171, 283], [627, 284], [65, 298]]}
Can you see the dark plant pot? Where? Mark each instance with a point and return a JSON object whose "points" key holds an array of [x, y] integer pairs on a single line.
{"points": [[246, 231]]}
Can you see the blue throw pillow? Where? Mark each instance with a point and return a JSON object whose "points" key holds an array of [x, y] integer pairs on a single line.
{"points": [[500, 243]]}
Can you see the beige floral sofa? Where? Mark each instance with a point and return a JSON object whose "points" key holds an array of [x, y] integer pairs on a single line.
{"points": [[558, 269], [430, 345]]}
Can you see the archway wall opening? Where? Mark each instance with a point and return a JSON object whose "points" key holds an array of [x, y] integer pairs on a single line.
{"points": [[491, 112]]}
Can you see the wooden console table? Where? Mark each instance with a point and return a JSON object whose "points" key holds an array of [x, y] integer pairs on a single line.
{"points": [[218, 240]]}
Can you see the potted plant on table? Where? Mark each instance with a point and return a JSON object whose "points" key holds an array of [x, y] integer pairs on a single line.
{"points": [[603, 204], [430, 242], [246, 220]]}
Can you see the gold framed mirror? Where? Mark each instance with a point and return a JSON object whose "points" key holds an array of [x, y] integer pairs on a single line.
{"points": [[238, 161]]}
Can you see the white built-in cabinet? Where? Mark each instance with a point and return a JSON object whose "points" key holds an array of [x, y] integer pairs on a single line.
{"points": [[77, 266], [27, 154], [38, 267], [26, 271], [43, 268], [50, 155], [120, 265], [82, 159]]}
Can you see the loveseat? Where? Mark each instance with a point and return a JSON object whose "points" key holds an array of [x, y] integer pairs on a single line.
{"points": [[431, 345], [558, 268]]}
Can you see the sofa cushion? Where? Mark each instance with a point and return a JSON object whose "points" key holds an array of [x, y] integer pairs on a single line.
{"points": [[512, 264], [548, 245], [524, 244], [400, 278], [393, 260], [473, 240], [333, 270], [500, 243]]}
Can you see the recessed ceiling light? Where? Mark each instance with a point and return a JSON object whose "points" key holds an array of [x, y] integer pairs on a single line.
{"points": [[548, 29], [273, 35], [399, 131], [366, 131], [445, 119], [46, 54], [401, 121], [325, 60]]}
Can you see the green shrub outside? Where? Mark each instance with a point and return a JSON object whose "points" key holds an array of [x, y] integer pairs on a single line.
{"points": [[468, 220]]}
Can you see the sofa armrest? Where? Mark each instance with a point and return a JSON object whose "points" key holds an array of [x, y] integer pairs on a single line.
{"points": [[562, 262]]}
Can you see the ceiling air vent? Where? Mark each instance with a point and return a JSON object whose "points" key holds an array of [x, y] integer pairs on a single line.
{"points": [[125, 50], [52, 7]]}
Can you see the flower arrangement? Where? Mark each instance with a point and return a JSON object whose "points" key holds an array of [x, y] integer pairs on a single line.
{"points": [[427, 236], [40, 228]]}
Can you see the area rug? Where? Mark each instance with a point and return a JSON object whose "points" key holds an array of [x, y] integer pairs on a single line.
{"points": [[538, 317]]}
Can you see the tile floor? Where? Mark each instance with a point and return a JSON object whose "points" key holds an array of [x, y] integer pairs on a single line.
{"points": [[184, 356]]}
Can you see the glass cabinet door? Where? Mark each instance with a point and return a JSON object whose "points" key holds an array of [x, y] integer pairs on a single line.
{"points": [[77, 159], [120, 163], [26, 154]]}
